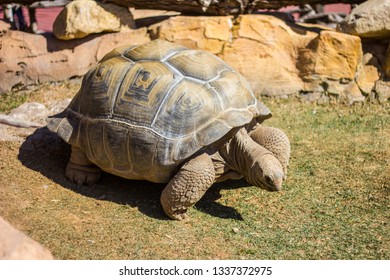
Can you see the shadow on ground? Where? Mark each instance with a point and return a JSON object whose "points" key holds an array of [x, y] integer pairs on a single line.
{"points": [[46, 153]]}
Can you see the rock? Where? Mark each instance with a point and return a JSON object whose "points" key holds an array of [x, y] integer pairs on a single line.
{"points": [[144, 13], [330, 64], [255, 43], [27, 59], [15, 245], [207, 33], [331, 56], [145, 18], [8, 120], [23, 120], [264, 50], [353, 94], [31, 112], [382, 90], [367, 78], [4, 26], [371, 19], [58, 106], [81, 18], [278, 59]]}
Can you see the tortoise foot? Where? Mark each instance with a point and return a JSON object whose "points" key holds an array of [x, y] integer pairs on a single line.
{"points": [[82, 174], [180, 214]]}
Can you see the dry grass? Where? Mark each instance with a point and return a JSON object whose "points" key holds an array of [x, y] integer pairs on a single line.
{"points": [[335, 203]]}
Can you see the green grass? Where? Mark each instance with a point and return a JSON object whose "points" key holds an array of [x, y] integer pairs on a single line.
{"points": [[9, 101], [334, 205]]}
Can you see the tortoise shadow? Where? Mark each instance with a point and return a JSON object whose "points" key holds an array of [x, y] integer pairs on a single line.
{"points": [[45, 152]]}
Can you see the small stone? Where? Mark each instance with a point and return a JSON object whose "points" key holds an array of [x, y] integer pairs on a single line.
{"points": [[236, 230], [382, 89], [367, 78]]}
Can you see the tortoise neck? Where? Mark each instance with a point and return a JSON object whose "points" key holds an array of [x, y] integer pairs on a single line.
{"points": [[243, 154]]}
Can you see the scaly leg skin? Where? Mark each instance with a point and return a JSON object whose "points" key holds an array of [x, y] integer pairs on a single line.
{"points": [[188, 186], [275, 141], [81, 170]]}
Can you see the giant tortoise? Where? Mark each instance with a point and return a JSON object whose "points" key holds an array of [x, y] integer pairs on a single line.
{"points": [[168, 114]]}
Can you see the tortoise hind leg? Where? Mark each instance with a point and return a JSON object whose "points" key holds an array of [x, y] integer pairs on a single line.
{"points": [[80, 169], [188, 186]]}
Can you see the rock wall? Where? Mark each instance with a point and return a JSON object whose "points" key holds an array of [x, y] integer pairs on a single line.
{"points": [[278, 58], [27, 59]]}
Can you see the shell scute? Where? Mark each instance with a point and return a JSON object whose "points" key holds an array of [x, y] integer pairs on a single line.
{"points": [[156, 50], [100, 87], [142, 91], [188, 106], [235, 94], [197, 64]]}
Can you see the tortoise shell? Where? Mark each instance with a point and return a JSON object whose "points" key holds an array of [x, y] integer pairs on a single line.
{"points": [[145, 109]]}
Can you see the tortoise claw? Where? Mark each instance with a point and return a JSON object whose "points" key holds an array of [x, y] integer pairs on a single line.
{"points": [[82, 175]]}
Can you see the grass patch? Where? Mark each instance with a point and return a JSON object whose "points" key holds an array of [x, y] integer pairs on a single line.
{"points": [[42, 93], [335, 202], [9, 101]]}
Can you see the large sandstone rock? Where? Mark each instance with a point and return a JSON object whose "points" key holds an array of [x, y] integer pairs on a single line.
{"points": [[279, 59], [371, 19], [207, 33], [81, 18], [15, 245], [330, 63], [264, 50], [27, 59]]}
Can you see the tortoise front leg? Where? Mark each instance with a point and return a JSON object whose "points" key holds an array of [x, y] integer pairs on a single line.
{"points": [[80, 169], [188, 186]]}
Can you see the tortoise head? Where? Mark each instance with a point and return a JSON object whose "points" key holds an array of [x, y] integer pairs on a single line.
{"points": [[266, 172], [257, 165]]}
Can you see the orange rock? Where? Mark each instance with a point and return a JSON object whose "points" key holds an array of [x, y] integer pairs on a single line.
{"points": [[15, 245], [207, 33], [331, 55]]}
